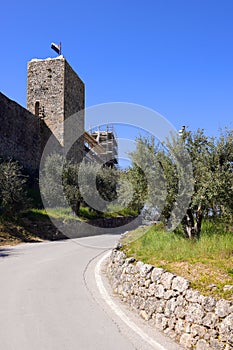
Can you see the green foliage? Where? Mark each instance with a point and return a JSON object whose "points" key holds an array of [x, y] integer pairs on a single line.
{"points": [[63, 214], [132, 191], [13, 196], [159, 175], [213, 178], [51, 186], [71, 186], [118, 210], [33, 192], [106, 182], [158, 244], [222, 179], [97, 186], [65, 184], [144, 182]]}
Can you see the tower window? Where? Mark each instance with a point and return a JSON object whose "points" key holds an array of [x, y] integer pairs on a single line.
{"points": [[37, 108]]}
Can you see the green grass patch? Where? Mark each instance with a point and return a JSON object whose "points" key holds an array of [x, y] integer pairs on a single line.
{"points": [[35, 225], [117, 210], [60, 214], [85, 213], [55, 213], [205, 262]]}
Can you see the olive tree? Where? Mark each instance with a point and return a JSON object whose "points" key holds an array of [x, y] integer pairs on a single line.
{"points": [[211, 160]]}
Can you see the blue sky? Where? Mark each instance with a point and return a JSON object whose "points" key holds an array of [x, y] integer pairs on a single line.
{"points": [[174, 56]]}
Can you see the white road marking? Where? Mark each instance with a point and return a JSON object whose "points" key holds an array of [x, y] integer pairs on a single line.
{"points": [[105, 295]]}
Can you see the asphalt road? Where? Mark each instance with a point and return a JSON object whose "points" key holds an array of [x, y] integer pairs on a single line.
{"points": [[53, 297]]}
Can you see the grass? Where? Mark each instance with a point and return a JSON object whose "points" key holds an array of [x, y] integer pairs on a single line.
{"points": [[117, 210], [207, 263], [35, 224], [84, 214], [55, 213]]}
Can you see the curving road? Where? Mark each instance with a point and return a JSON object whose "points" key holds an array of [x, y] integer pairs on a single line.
{"points": [[53, 297]]}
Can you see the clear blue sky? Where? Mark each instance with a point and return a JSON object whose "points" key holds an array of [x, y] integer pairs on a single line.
{"points": [[174, 56]]}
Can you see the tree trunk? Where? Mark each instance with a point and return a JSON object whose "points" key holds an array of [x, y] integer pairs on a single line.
{"points": [[191, 228], [199, 217], [75, 206]]}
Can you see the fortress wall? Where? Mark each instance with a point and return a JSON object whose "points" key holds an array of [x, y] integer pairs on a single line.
{"points": [[22, 135], [54, 92]]}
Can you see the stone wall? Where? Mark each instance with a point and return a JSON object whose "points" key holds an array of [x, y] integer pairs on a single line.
{"points": [[54, 93], [195, 321], [74, 93], [22, 135], [74, 104], [117, 222], [102, 226], [45, 86]]}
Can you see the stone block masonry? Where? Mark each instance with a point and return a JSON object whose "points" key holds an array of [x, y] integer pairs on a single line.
{"points": [[21, 135], [167, 300], [45, 97], [54, 93]]}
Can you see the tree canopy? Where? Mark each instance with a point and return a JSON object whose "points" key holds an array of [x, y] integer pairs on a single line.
{"points": [[160, 174]]}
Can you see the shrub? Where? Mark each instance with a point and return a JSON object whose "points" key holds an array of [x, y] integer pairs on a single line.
{"points": [[13, 198], [51, 186]]}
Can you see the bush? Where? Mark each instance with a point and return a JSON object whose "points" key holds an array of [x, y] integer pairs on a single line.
{"points": [[51, 186], [13, 198], [71, 187], [64, 184]]}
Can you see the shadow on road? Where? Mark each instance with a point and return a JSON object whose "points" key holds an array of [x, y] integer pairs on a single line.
{"points": [[5, 252]]}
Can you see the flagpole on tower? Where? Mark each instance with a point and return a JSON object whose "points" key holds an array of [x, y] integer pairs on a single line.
{"points": [[56, 48]]}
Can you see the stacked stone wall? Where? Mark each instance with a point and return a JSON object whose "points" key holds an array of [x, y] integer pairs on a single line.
{"points": [[46, 86], [56, 92], [74, 104], [74, 93], [22, 135], [195, 321]]}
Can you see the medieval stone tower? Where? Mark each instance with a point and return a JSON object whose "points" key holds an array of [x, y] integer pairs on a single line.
{"points": [[55, 92]]}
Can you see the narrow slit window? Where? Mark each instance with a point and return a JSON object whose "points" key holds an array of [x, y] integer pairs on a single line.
{"points": [[37, 108]]}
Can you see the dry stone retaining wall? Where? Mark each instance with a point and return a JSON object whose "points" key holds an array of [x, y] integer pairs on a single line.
{"points": [[195, 321]]}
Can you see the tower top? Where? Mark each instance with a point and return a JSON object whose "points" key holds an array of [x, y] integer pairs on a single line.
{"points": [[60, 57]]}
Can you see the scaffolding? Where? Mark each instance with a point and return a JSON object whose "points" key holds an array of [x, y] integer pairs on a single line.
{"points": [[104, 144]]}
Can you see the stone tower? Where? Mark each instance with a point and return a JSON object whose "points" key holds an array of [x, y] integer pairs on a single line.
{"points": [[55, 92]]}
